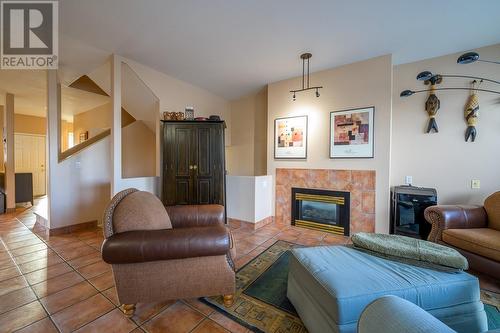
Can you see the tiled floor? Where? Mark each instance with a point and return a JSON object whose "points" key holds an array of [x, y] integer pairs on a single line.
{"points": [[61, 284]]}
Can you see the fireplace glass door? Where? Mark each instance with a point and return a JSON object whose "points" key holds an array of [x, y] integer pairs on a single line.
{"points": [[321, 210]]}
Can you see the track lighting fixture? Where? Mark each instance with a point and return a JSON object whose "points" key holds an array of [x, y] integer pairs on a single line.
{"points": [[305, 76], [470, 57]]}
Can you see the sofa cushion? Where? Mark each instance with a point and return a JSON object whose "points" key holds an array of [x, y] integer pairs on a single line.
{"points": [[482, 241], [140, 210], [492, 207]]}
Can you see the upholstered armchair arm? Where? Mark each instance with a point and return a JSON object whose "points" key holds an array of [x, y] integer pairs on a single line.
{"points": [[152, 245], [454, 217], [187, 216]]}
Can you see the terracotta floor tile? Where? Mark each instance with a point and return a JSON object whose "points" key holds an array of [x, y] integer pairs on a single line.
{"points": [[81, 313], [94, 269], [9, 273], [77, 252], [227, 323], [42, 326], [22, 316], [177, 318], [200, 306], [103, 281], [16, 298], [35, 265], [146, 311], [47, 273], [17, 245], [209, 326], [85, 260], [28, 249], [40, 254], [114, 321], [56, 284], [111, 295], [67, 297], [12, 284], [7, 263]]}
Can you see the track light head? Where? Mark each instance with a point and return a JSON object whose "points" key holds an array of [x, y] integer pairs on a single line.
{"points": [[406, 93], [293, 97], [317, 93], [424, 76], [468, 58]]}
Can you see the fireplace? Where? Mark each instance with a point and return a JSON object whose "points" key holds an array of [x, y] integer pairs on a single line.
{"points": [[321, 210]]}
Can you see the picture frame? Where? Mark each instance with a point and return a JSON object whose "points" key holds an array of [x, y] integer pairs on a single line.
{"points": [[352, 133], [290, 138]]}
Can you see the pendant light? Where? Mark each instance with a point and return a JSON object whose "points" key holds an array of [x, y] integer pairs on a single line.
{"points": [[305, 77]]}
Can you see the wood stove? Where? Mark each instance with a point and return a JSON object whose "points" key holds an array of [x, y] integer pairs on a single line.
{"points": [[323, 210]]}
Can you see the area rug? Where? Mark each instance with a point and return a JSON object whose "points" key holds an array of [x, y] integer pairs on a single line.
{"points": [[260, 301]]}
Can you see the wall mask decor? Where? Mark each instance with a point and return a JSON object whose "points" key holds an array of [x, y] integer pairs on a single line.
{"points": [[471, 111], [432, 104]]}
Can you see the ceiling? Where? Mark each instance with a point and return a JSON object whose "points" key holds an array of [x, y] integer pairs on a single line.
{"points": [[233, 47], [29, 89]]}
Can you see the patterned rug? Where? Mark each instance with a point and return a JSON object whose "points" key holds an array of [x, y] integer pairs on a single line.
{"points": [[260, 301]]}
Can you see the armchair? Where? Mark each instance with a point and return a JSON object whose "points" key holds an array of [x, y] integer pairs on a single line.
{"points": [[158, 256], [472, 230]]}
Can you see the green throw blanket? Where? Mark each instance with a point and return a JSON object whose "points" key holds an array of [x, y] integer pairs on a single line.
{"points": [[411, 251]]}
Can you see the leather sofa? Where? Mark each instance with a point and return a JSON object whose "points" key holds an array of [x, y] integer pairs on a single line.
{"points": [[472, 230], [160, 254]]}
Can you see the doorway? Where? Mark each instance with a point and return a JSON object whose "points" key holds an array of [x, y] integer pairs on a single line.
{"points": [[30, 158]]}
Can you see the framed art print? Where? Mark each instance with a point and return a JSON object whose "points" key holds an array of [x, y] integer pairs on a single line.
{"points": [[351, 133], [290, 138]]}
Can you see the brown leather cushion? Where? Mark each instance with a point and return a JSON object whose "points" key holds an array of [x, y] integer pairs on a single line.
{"points": [[482, 241], [153, 245], [140, 211], [492, 207]]}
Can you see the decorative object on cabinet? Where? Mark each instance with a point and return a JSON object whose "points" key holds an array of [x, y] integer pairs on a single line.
{"points": [[351, 133], [305, 77], [169, 115], [471, 57], [290, 138], [471, 111], [189, 113], [193, 162], [84, 136]]}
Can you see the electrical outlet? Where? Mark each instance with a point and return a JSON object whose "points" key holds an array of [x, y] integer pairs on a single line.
{"points": [[408, 180], [475, 183]]}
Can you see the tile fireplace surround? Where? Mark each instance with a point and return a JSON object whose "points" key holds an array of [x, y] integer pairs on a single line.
{"points": [[360, 183]]}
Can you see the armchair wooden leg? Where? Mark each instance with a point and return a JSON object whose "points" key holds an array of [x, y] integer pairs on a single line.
{"points": [[228, 300], [128, 309]]}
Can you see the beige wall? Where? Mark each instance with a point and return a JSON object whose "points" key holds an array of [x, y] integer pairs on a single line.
{"points": [[138, 151], [246, 156], [94, 121], [444, 160], [30, 124], [361, 84]]}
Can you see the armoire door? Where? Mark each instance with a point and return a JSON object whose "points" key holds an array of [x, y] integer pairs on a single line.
{"points": [[204, 168], [184, 151]]}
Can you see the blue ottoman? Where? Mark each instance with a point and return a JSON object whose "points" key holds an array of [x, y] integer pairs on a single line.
{"points": [[331, 285]]}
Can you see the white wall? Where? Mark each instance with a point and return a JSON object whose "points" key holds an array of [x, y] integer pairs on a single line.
{"points": [[444, 160], [361, 84], [249, 198]]}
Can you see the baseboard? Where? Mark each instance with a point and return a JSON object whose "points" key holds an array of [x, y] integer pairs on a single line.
{"points": [[67, 229], [251, 226]]}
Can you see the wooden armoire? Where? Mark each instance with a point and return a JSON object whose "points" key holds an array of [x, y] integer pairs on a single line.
{"points": [[193, 162]]}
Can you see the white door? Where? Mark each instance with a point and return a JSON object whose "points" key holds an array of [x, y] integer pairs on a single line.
{"points": [[29, 155]]}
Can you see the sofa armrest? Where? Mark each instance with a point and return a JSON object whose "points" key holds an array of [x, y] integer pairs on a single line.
{"points": [[454, 217], [187, 216], [153, 245]]}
